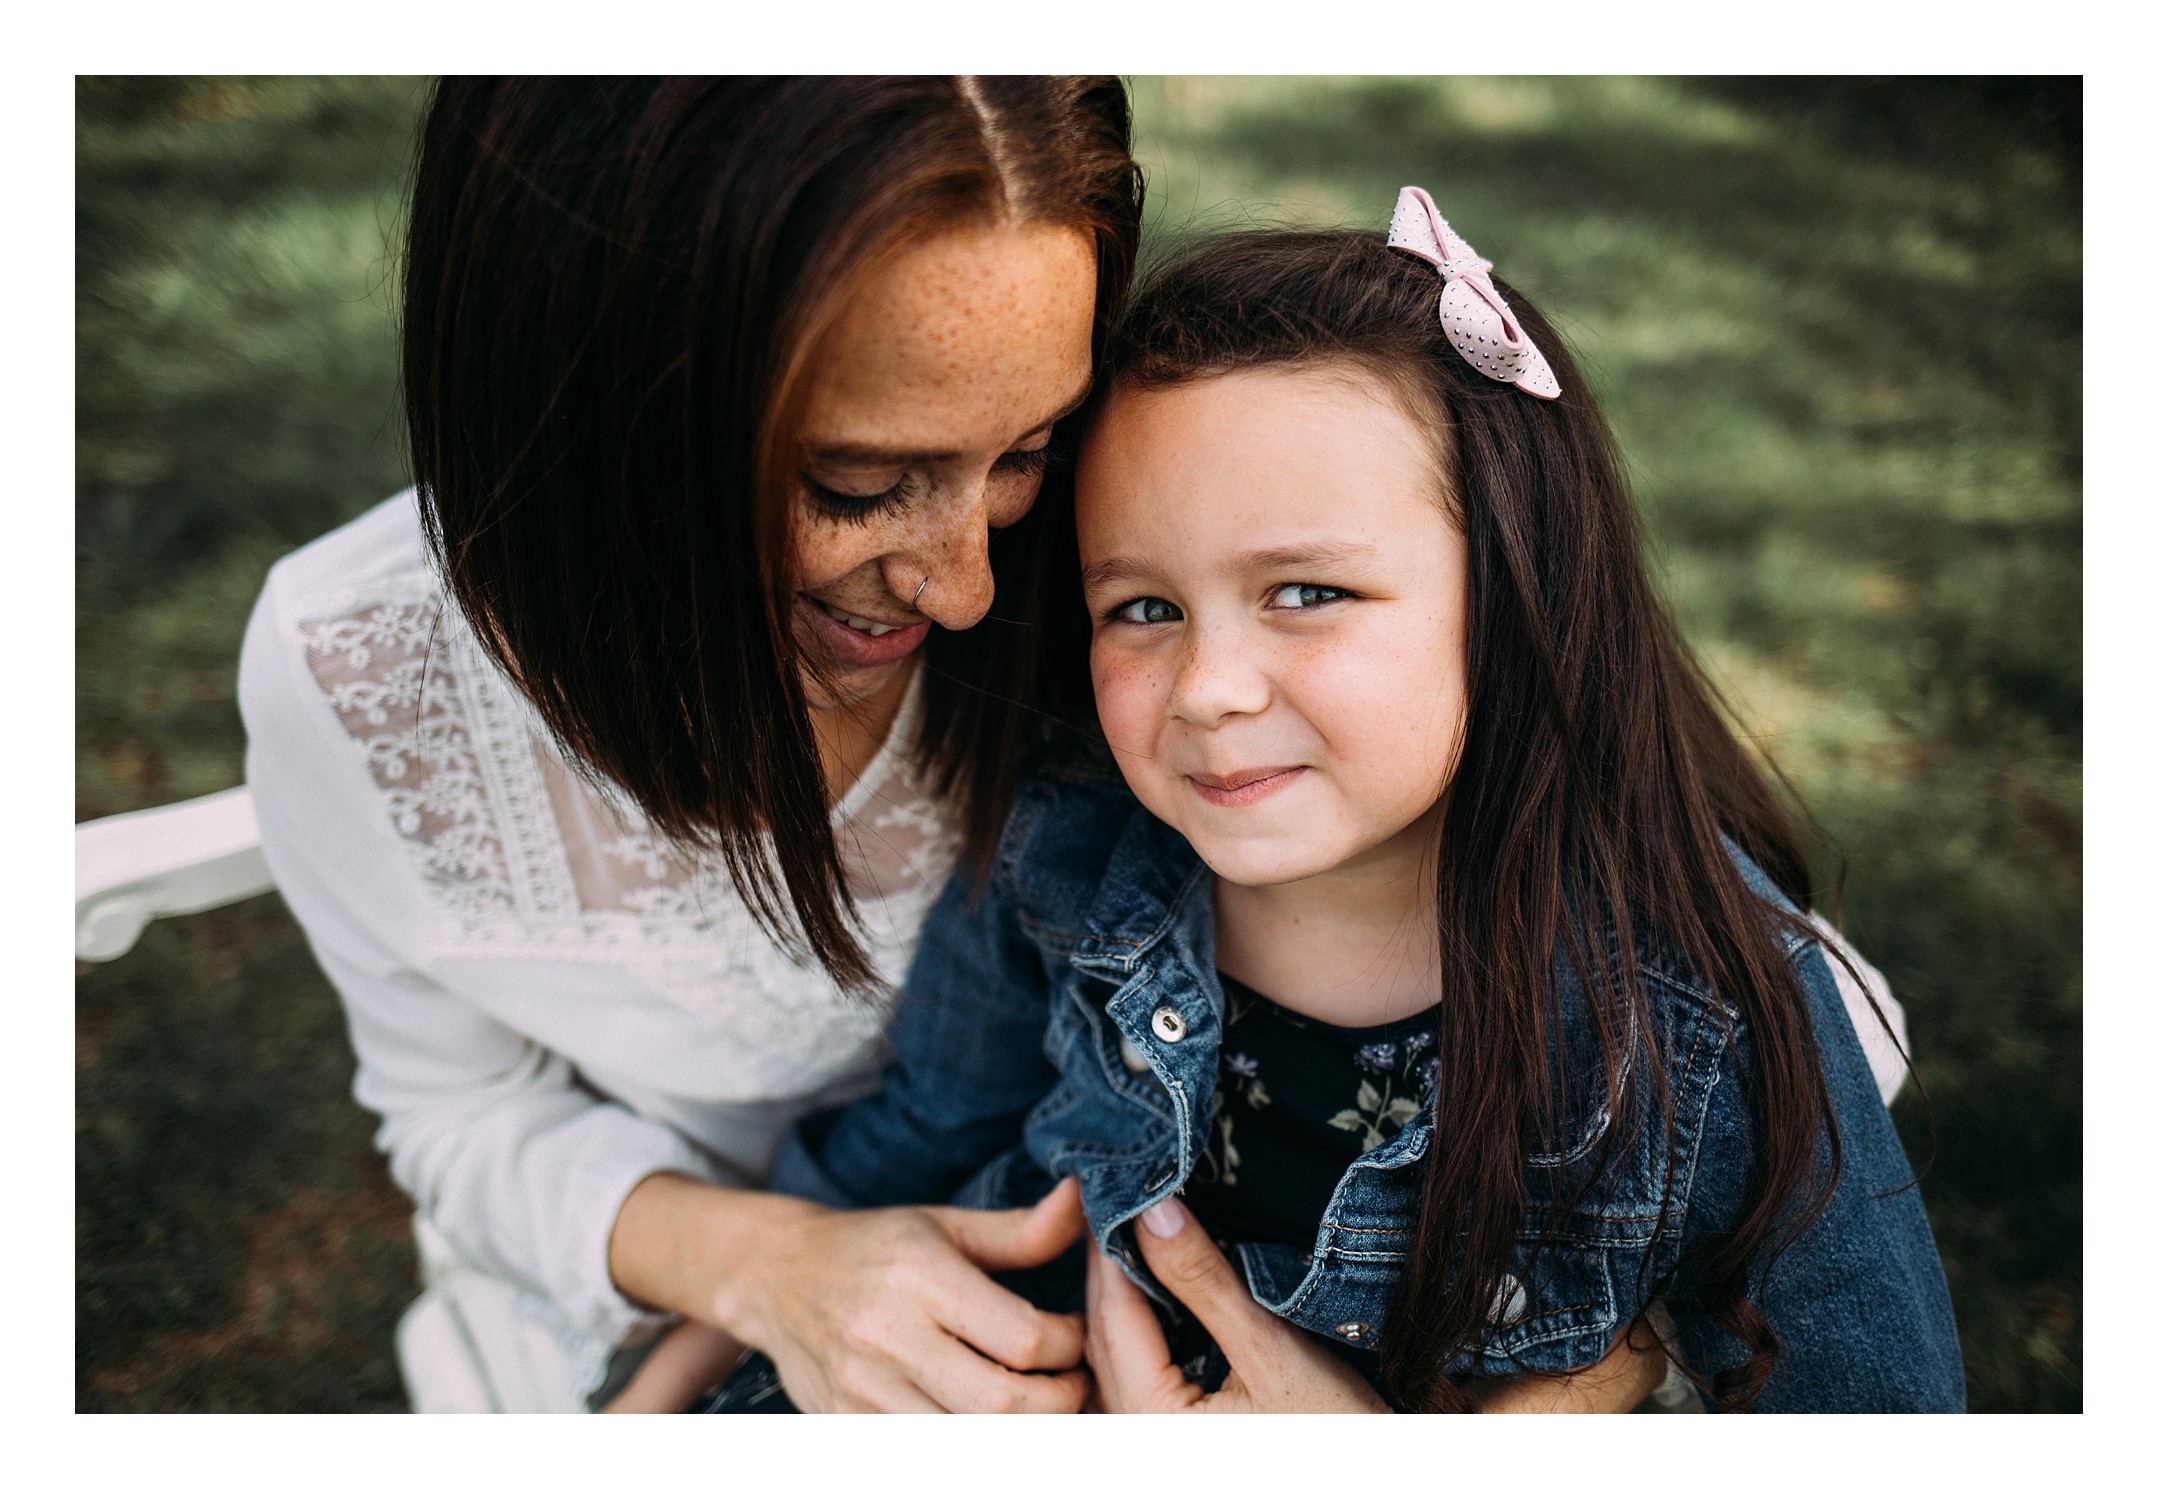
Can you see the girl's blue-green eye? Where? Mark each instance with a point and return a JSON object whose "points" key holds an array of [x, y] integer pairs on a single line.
{"points": [[1146, 612], [1307, 596]]}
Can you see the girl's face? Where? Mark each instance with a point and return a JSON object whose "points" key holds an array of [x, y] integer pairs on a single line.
{"points": [[1280, 606], [927, 424]]}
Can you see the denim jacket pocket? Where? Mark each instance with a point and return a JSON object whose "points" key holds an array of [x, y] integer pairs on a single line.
{"points": [[1555, 1309]]}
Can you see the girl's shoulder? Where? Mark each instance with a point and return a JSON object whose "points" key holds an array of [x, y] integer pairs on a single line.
{"points": [[1076, 830]]}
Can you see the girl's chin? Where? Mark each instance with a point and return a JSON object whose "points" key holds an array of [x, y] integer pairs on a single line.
{"points": [[1253, 865]]}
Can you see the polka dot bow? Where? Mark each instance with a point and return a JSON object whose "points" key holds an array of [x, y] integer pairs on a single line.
{"points": [[1477, 319]]}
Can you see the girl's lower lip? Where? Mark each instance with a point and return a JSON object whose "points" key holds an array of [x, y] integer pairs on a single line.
{"points": [[851, 648], [1247, 793]]}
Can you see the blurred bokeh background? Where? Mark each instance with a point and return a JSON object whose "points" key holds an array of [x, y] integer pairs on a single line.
{"points": [[1837, 324]]}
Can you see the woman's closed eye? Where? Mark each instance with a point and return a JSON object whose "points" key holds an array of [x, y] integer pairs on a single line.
{"points": [[1308, 596], [1043, 458], [1148, 611], [860, 506]]}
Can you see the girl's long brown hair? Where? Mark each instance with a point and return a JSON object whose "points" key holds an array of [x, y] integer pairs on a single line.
{"points": [[612, 291], [1598, 791]]}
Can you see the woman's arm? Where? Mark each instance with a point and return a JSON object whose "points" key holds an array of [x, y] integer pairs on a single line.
{"points": [[519, 1165], [890, 1308], [533, 1177], [872, 1310]]}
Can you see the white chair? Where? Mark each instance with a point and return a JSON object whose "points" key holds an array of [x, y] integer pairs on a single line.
{"points": [[176, 860], [462, 1346]]}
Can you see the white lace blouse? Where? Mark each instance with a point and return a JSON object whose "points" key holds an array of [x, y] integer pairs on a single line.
{"points": [[546, 1001]]}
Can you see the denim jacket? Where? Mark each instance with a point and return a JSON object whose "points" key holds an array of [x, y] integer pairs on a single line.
{"points": [[1067, 1020]]}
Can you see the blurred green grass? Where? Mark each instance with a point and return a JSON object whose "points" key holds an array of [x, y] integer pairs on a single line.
{"points": [[1836, 322]]}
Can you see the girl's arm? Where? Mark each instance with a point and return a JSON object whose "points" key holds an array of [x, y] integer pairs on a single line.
{"points": [[966, 1068], [1858, 1300]]}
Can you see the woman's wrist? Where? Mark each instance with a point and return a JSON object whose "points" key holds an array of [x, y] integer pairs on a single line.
{"points": [[685, 1245]]}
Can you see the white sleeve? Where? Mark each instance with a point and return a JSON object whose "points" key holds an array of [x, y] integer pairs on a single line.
{"points": [[519, 1165], [1880, 1044]]}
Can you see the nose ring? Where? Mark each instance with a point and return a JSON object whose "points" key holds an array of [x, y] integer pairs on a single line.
{"points": [[916, 602]]}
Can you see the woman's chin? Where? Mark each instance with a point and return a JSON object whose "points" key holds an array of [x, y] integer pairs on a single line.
{"points": [[853, 687], [853, 665]]}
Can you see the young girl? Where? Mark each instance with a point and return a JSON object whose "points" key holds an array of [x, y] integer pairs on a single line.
{"points": [[1430, 934]]}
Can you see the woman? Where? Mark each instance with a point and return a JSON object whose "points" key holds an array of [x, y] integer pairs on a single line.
{"points": [[613, 772]]}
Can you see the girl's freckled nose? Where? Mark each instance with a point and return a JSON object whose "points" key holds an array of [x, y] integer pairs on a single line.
{"points": [[1215, 680]]}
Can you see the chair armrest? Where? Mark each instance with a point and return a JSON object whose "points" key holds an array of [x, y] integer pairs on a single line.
{"points": [[170, 860]]}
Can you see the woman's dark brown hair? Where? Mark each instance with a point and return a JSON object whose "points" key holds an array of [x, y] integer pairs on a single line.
{"points": [[1598, 790], [612, 289]]}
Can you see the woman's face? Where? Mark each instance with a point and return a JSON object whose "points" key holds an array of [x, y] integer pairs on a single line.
{"points": [[927, 424]]}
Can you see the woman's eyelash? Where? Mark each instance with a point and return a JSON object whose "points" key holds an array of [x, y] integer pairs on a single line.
{"points": [[844, 506], [1052, 456]]}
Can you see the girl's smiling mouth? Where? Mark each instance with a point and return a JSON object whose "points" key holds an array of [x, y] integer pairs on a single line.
{"points": [[1243, 788]]}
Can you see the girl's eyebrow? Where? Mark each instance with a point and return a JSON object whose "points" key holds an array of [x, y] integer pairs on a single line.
{"points": [[1306, 555], [1109, 571], [1317, 555]]}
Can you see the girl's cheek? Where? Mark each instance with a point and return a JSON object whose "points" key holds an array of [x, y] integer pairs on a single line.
{"points": [[1126, 696]]}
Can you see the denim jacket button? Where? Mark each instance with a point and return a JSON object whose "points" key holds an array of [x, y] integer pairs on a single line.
{"points": [[1510, 1302], [1353, 1330], [1133, 1057], [1168, 1024]]}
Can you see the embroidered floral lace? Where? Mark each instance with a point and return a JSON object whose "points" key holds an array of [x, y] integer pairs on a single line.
{"points": [[523, 854]]}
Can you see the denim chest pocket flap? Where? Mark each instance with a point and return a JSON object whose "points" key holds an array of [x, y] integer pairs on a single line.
{"points": [[1605, 1198]]}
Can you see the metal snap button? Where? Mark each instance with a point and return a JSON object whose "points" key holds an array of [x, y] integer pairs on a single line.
{"points": [[1353, 1330], [1133, 1057], [1168, 1024], [1510, 1302]]}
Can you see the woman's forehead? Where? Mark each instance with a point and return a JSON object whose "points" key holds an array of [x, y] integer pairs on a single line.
{"points": [[967, 339]]}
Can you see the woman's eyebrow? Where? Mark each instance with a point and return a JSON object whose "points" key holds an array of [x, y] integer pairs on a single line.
{"points": [[860, 454]]}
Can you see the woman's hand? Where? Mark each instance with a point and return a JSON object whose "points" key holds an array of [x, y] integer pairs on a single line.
{"points": [[1273, 1365], [867, 1310]]}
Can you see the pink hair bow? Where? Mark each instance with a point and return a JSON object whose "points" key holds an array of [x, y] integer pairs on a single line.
{"points": [[1478, 320]]}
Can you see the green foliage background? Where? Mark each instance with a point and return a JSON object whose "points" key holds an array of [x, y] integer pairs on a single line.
{"points": [[1837, 324]]}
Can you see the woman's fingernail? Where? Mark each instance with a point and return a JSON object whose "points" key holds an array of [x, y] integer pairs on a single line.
{"points": [[1165, 1219]]}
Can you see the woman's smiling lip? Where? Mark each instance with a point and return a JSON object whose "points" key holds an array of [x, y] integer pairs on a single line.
{"points": [[1243, 788], [852, 648]]}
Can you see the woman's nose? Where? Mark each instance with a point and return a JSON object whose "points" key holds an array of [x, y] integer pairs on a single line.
{"points": [[943, 571], [1217, 678]]}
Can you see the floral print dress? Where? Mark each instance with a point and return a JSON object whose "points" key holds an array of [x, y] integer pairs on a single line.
{"points": [[1296, 1102]]}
